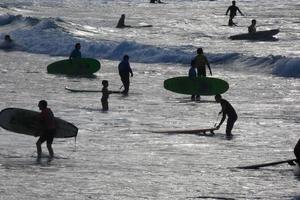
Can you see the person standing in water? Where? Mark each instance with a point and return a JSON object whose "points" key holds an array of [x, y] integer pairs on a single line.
{"points": [[227, 110], [192, 75], [47, 133], [124, 71], [297, 152], [252, 27], [232, 13], [105, 95]]}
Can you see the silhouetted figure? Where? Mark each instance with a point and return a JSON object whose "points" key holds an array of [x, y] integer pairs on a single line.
{"points": [[8, 43], [153, 1], [228, 110], [232, 9], [193, 74], [121, 23], [252, 27], [201, 62], [297, 151], [124, 71], [105, 95], [47, 133], [76, 52]]}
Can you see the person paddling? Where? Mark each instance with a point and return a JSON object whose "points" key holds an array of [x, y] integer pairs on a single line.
{"points": [[47, 133], [227, 110], [121, 22]]}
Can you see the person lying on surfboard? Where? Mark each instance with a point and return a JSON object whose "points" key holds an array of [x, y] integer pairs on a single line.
{"points": [[228, 110], [76, 52], [252, 27], [47, 121], [121, 23]]}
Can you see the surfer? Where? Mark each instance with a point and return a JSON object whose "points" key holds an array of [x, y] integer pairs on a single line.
{"points": [[47, 121], [105, 95], [124, 71], [228, 110], [8, 43], [193, 74], [232, 9], [121, 23], [252, 27], [76, 52], [201, 62], [153, 1], [297, 151]]}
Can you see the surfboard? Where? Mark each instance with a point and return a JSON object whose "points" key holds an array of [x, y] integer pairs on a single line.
{"points": [[187, 131], [25, 122], [257, 166], [83, 90], [80, 66], [259, 35], [200, 85]]}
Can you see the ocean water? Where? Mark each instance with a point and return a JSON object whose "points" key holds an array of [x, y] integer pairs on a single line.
{"points": [[116, 156]]}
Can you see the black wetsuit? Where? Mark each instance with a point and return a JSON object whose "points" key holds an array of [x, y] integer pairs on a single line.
{"points": [[228, 110]]}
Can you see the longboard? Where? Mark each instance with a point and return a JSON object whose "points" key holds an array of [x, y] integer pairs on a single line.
{"points": [[259, 35], [257, 166], [80, 66], [26, 122], [200, 85], [185, 131], [82, 90]]}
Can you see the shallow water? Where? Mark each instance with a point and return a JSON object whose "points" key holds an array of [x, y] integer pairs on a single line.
{"points": [[116, 156]]}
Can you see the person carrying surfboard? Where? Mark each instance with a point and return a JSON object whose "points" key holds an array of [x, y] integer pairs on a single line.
{"points": [[232, 9], [228, 110], [124, 71], [47, 120], [76, 52], [105, 95]]}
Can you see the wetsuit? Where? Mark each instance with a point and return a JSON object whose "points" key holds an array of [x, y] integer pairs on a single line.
{"points": [[48, 122], [228, 110], [75, 54], [297, 151], [193, 74], [200, 62], [104, 98], [124, 71]]}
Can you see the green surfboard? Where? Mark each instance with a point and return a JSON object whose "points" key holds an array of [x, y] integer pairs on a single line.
{"points": [[199, 85], [80, 66]]}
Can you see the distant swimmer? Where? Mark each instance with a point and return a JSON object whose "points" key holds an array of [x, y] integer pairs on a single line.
{"points": [[47, 121], [228, 110], [153, 1], [252, 27], [105, 95], [124, 71], [193, 74], [297, 152], [121, 23], [8, 43], [232, 9], [76, 52]]}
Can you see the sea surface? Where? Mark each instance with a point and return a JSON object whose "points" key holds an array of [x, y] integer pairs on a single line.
{"points": [[116, 156]]}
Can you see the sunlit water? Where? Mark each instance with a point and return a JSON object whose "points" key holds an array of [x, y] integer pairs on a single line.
{"points": [[116, 155]]}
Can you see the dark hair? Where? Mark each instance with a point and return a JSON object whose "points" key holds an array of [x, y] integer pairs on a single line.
{"points": [[77, 44], [43, 103], [193, 62], [126, 57], [200, 50], [104, 82]]}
